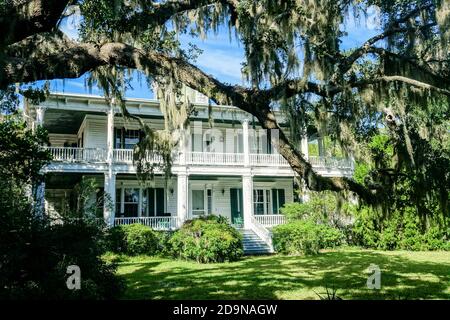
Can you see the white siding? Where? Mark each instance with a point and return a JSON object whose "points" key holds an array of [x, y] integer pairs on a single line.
{"points": [[95, 133]]}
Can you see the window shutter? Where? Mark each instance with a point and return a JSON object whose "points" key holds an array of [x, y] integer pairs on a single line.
{"points": [[160, 202], [281, 198], [274, 201], [151, 202]]}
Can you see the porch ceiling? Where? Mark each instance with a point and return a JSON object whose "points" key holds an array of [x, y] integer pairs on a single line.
{"points": [[63, 121], [66, 180]]}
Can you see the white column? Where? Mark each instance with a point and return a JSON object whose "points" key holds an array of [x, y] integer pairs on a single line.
{"points": [[140, 203], [40, 112], [321, 146], [182, 197], [246, 143], [247, 198], [39, 197], [110, 176], [304, 147], [110, 135], [39, 204], [122, 200], [110, 200]]}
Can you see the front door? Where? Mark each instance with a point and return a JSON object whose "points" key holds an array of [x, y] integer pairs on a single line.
{"points": [[237, 214], [198, 202]]}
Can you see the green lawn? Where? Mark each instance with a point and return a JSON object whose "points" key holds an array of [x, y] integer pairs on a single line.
{"points": [[404, 275]]}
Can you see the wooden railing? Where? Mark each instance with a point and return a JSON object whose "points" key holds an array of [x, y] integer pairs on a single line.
{"points": [[262, 232], [123, 155], [270, 220], [126, 156], [261, 159], [214, 158], [70, 154], [156, 223], [330, 162]]}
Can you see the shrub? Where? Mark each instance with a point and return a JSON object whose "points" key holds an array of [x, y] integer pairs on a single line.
{"points": [[322, 207], [305, 237], [401, 230], [38, 257], [133, 239], [207, 239]]}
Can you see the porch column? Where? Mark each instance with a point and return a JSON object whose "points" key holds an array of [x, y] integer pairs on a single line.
{"points": [[39, 196], [247, 198], [304, 147], [182, 197], [110, 200], [321, 146], [110, 135], [246, 144], [39, 204]]}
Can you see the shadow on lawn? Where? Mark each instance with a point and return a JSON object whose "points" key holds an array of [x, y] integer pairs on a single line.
{"points": [[272, 277]]}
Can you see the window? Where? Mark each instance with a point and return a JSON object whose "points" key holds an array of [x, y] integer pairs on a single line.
{"points": [[131, 202], [197, 142], [278, 200], [153, 202], [260, 141], [198, 202], [261, 201], [238, 142], [258, 199], [126, 139]]}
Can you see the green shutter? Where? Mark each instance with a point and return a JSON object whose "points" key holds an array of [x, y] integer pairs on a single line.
{"points": [[160, 202], [281, 198], [274, 201], [233, 203], [151, 202], [236, 210]]}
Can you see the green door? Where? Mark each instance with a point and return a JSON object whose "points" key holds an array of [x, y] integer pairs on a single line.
{"points": [[237, 215]]}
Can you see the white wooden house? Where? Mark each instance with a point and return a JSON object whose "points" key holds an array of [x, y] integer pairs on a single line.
{"points": [[231, 169]]}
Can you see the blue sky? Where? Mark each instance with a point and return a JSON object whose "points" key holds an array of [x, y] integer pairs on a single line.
{"points": [[221, 56]]}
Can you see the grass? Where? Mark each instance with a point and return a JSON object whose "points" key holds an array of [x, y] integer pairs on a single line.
{"points": [[404, 275]]}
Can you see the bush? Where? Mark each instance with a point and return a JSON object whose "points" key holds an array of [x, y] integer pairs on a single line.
{"points": [[35, 266], [305, 237], [207, 239], [400, 231], [323, 208], [133, 239]]}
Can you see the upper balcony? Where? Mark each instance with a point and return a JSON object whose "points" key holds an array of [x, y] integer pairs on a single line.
{"points": [[93, 156], [88, 135]]}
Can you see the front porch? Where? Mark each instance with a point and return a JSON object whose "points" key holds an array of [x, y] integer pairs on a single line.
{"points": [[173, 223], [165, 204]]}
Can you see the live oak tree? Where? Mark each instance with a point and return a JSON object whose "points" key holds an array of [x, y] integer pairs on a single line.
{"points": [[294, 61]]}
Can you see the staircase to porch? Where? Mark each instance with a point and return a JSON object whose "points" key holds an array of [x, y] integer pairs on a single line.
{"points": [[253, 244]]}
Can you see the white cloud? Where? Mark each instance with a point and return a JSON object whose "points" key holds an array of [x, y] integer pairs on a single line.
{"points": [[222, 63]]}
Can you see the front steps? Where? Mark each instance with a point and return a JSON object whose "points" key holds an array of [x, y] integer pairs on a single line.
{"points": [[253, 244]]}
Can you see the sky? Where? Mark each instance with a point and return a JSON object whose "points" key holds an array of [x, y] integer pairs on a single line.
{"points": [[222, 57]]}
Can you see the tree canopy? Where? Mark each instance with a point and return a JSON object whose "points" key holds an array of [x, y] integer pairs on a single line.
{"points": [[396, 82]]}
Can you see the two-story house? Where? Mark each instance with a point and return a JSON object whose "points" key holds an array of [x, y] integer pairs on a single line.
{"points": [[231, 169]]}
